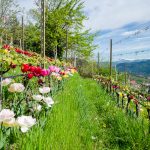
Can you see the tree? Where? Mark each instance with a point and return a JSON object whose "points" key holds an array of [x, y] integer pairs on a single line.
{"points": [[64, 18], [8, 12]]}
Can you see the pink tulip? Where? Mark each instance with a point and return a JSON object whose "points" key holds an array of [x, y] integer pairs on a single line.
{"points": [[45, 72]]}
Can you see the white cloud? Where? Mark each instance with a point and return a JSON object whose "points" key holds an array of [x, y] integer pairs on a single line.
{"points": [[127, 33], [111, 14]]}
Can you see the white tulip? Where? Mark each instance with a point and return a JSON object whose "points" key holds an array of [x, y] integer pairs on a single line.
{"points": [[37, 97], [26, 122], [49, 101], [38, 107], [10, 123], [44, 90], [6, 82], [16, 87], [6, 115]]}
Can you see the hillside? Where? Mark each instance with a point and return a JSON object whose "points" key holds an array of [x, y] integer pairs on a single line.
{"points": [[138, 67]]}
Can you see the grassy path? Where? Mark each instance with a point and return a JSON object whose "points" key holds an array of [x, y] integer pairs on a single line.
{"points": [[85, 118]]}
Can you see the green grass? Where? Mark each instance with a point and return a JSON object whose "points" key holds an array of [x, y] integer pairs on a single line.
{"points": [[86, 118]]}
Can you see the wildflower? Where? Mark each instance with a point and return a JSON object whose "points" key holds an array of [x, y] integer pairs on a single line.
{"points": [[26, 122], [6, 82], [44, 90], [16, 87], [49, 101]]}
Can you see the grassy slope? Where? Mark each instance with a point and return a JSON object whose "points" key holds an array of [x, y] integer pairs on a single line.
{"points": [[85, 117]]}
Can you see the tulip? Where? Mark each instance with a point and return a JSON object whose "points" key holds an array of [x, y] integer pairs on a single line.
{"points": [[16, 87], [26, 122], [25, 68], [49, 101], [37, 97], [37, 108], [44, 90], [44, 72], [6, 115], [6, 82], [30, 75]]}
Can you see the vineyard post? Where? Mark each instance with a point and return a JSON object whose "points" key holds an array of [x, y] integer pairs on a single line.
{"points": [[66, 44], [116, 72], [22, 33], [11, 40], [98, 61], [110, 63], [125, 74], [56, 53], [43, 32]]}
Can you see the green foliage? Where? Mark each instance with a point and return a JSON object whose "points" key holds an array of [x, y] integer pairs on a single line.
{"points": [[64, 26], [87, 68]]}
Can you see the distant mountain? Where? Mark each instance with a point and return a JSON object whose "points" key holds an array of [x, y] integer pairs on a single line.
{"points": [[137, 67]]}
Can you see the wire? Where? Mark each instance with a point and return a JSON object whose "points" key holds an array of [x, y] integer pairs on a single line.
{"points": [[135, 52]]}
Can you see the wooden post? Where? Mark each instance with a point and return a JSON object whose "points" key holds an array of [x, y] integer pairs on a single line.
{"points": [[110, 62], [22, 33], [11, 41], [116, 73], [20, 44], [43, 32], [67, 44], [125, 74], [56, 53]]}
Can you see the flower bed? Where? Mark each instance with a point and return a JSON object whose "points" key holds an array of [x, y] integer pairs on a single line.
{"points": [[27, 89]]}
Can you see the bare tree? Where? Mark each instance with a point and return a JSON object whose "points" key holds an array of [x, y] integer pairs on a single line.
{"points": [[8, 8]]}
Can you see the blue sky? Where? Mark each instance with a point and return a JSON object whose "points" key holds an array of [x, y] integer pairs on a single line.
{"points": [[116, 19]]}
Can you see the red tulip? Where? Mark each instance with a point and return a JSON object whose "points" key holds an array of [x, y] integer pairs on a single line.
{"points": [[25, 68], [30, 76]]}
